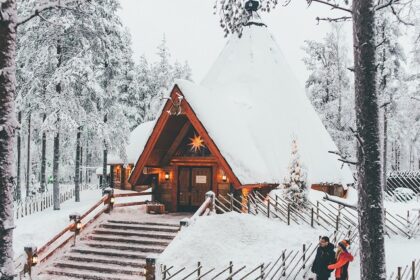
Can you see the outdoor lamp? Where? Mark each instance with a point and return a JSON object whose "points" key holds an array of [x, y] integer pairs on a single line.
{"points": [[75, 217], [34, 259], [224, 178], [166, 176], [112, 200]]}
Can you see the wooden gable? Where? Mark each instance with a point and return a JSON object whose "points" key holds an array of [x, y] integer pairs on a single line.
{"points": [[169, 133]]}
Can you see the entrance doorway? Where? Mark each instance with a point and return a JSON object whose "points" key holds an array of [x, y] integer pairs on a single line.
{"points": [[193, 183]]}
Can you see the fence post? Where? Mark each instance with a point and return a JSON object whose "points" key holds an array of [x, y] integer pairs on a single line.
{"points": [[231, 202], [288, 214], [164, 273], [248, 204], [312, 217], [198, 269], [399, 273], [150, 268], [277, 205], [268, 209], [317, 211], [335, 236], [230, 269], [303, 256], [337, 222], [413, 270], [262, 272], [283, 263]]}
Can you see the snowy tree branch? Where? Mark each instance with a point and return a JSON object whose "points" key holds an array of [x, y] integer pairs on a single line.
{"points": [[334, 6], [49, 5], [338, 19]]}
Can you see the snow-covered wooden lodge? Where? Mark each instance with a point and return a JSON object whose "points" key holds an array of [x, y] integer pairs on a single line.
{"points": [[233, 131]]}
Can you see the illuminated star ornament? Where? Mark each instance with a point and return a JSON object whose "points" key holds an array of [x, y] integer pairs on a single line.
{"points": [[196, 143]]}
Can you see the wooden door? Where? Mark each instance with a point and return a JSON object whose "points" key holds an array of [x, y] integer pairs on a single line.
{"points": [[184, 187], [200, 184], [193, 183]]}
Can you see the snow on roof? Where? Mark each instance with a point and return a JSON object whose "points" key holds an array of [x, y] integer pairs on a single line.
{"points": [[253, 107], [137, 142]]}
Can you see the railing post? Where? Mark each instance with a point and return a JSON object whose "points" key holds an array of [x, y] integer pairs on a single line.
{"points": [[150, 269], [288, 214], [198, 269], [109, 200], [277, 206], [303, 255], [262, 272], [231, 202], [212, 205], [77, 225], [248, 204], [31, 259], [399, 273], [268, 209]]}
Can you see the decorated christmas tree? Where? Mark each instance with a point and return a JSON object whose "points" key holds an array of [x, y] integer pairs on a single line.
{"points": [[296, 186]]}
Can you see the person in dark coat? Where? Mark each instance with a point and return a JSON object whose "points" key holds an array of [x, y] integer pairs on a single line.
{"points": [[325, 256]]}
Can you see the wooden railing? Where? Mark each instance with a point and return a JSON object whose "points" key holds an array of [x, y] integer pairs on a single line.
{"points": [[105, 204], [290, 265], [409, 272], [207, 208]]}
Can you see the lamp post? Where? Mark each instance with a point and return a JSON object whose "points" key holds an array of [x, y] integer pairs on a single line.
{"points": [[77, 226], [31, 258]]}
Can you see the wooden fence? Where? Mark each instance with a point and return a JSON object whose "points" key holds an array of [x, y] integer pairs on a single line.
{"points": [[325, 215], [290, 265], [409, 272], [42, 201]]}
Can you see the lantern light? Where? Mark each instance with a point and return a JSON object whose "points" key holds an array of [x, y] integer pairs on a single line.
{"points": [[78, 225], [224, 178], [166, 176], [112, 200], [34, 259]]}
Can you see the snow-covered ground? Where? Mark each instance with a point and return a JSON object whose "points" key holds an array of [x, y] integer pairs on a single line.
{"points": [[252, 240], [40, 227]]}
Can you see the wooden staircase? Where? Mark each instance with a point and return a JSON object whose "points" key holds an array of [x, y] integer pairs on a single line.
{"points": [[115, 250]]}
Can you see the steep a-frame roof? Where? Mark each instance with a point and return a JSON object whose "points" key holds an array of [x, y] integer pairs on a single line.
{"points": [[252, 107]]}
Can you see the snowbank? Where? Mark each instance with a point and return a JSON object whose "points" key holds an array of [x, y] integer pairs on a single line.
{"points": [[241, 238]]}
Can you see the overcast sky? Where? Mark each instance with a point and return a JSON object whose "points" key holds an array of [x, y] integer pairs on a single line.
{"points": [[193, 32]]}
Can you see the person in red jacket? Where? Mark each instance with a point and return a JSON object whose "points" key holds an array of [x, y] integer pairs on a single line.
{"points": [[343, 258]]}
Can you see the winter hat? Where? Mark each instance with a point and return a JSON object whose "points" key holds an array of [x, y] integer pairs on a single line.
{"points": [[344, 244]]}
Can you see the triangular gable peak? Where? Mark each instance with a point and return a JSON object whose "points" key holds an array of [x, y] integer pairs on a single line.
{"points": [[164, 120]]}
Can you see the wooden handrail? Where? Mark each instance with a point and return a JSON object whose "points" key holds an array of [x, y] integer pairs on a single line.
{"points": [[202, 208], [65, 230], [132, 194]]}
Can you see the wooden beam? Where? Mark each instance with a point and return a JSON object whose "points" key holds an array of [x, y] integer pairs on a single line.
{"points": [[172, 149]]}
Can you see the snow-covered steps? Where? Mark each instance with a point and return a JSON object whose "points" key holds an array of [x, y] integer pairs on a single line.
{"points": [[115, 249]]}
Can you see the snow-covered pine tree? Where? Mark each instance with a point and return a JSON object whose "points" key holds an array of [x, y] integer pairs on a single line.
{"points": [[329, 86], [296, 185]]}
